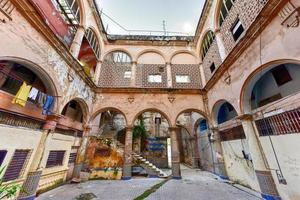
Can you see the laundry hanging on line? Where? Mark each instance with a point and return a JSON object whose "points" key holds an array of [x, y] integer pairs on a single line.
{"points": [[39, 98], [22, 95]]}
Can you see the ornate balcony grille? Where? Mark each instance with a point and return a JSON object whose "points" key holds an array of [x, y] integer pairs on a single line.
{"points": [[283, 123]]}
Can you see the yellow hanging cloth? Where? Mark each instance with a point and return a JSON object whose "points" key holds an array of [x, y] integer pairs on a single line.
{"points": [[22, 95]]}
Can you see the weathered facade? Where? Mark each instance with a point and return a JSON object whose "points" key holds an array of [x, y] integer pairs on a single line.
{"points": [[229, 97]]}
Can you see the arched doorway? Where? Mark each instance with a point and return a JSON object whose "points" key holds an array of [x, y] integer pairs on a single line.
{"points": [[105, 152], [271, 96], [188, 139], [151, 142]]}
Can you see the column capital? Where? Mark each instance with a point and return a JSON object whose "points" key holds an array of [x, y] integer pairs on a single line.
{"points": [[214, 128], [174, 128], [129, 128], [134, 62], [51, 122], [87, 127], [200, 63], [245, 117], [99, 61], [217, 30], [168, 63]]}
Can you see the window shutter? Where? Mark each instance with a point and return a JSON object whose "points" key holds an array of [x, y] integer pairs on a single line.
{"points": [[2, 156], [16, 165], [55, 158]]}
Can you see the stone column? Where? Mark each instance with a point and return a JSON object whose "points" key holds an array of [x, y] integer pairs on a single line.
{"points": [[76, 44], [81, 152], [263, 173], [196, 156], [133, 74], [169, 75], [202, 73], [98, 72], [31, 183], [176, 174], [220, 43], [219, 164], [127, 155]]}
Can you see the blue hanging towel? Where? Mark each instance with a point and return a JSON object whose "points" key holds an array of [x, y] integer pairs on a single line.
{"points": [[48, 106]]}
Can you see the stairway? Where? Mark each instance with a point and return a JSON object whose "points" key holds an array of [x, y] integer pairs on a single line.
{"points": [[150, 168]]}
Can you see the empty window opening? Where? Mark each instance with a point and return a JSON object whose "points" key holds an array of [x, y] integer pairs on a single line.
{"points": [[281, 75], [212, 67], [183, 79], [237, 30], [154, 78], [127, 74]]}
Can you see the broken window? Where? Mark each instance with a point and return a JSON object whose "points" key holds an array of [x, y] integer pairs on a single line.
{"points": [[183, 79], [154, 78]]}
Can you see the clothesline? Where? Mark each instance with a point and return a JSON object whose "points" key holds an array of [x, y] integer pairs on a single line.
{"points": [[16, 78]]}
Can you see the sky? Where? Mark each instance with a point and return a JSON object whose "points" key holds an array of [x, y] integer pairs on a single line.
{"points": [[179, 15]]}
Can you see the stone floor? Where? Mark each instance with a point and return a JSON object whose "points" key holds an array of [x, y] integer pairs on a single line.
{"points": [[194, 185]]}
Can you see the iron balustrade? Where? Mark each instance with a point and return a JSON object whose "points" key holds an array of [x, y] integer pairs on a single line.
{"points": [[284, 123]]}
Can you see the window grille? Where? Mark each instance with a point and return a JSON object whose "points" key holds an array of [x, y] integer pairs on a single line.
{"points": [[224, 10], [93, 41], [283, 123], [2, 156], [55, 158], [6, 7], [72, 158], [16, 165], [207, 42]]}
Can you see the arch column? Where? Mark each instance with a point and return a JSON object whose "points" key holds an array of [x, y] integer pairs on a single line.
{"points": [[98, 72], [76, 44], [82, 151], [262, 171], [169, 75], [218, 160], [202, 73], [127, 155], [31, 183], [220, 43], [196, 155], [173, 132], [133, 74]]}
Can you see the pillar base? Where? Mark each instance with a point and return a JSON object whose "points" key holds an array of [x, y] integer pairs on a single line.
{"points": [[30, 185], [176, 177], [127, 171], [176, 169], [270, 197], [77, 170], [126, 178], [32, 197]]}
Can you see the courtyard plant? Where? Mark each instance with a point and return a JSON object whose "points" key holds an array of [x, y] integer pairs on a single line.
{"points": [[8, 190]]}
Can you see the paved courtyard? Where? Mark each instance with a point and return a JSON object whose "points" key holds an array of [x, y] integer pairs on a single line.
{"points": [[195, 185]]}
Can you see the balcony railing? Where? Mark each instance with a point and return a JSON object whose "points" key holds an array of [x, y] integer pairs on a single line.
{"points": [[284, 123]]}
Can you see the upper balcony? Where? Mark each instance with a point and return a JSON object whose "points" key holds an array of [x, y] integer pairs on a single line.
{"points": [[119, 71]]}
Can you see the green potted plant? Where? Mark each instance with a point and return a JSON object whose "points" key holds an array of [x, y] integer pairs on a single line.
{"points": [[8, 190]]}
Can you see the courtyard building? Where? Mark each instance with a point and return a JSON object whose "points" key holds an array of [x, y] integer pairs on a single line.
{"points": [[80, 105]]}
